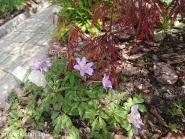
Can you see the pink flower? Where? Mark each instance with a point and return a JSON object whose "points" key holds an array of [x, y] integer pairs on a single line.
{"points": [[83, 67], [106, 82]]}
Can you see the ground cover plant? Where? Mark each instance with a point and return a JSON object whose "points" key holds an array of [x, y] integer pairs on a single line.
{"points": [[68, 101], [127, 81]]}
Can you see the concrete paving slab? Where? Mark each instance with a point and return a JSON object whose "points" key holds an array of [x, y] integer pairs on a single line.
{"points": [[7, 46], [44, 41], [26, 44], [6, 84], [33, 40], [3, 57], [2, 74], [10, 36], [23, 37], [10, 63]]}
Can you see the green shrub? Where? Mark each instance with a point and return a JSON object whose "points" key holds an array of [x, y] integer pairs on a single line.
{"points": [[11, 4]]}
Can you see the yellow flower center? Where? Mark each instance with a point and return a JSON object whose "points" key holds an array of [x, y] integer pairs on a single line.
{"points": [[84, 67], [43, 65], [134, 117]]}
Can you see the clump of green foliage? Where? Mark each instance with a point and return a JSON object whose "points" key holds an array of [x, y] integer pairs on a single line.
{"points": [[177, 109], [173, 127], [67, 98], [11, 4], [73, 13]]}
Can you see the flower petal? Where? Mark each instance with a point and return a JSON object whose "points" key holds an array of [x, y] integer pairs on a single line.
{"points": [[48, 64], [33, 68], [77, 67], [89, 71], [37, 65], [109, 84], [131, 118], [134, 108], [45, 69], [137, 116], [82, 72], [136, 124], [89, 65], [83, 60], [46, 60], [78, 60], [136, 130]]}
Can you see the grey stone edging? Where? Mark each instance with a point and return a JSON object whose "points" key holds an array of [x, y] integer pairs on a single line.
{"points": [[10, 25]]}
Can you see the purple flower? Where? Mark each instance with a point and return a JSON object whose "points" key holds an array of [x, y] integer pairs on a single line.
{"points": [[106, 82], [42, 66], [83, 67], [134, 117], [36, 66]]}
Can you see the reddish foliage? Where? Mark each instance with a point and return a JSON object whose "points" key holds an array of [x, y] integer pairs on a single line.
{"points": [[176, 7], [99, 50], [116, 17]]}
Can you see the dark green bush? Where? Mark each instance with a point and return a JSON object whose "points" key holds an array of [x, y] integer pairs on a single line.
{"points": [[11, 4]]}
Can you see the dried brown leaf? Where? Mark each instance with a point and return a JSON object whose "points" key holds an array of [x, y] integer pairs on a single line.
{"points": [[159, 118], [120, 137]]}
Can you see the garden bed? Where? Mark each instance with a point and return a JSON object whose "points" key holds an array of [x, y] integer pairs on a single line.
{"points": [[165, 116], [109, 86]]}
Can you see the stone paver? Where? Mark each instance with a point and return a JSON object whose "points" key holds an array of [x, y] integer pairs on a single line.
{"points": [[25, 44]]}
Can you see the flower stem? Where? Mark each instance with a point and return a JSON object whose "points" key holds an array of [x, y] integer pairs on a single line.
{"points": [[93, 82]]}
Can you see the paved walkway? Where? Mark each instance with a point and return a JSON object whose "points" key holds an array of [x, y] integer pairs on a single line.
{"points": [[27, 43]]}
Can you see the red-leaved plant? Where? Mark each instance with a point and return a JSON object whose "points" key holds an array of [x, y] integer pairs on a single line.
{"points": [[117, 17]]}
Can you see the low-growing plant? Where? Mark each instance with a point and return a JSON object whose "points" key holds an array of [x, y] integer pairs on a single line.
{"points": [[11, 4], [78, 13], [69, 96], [173, 127], [177, 109], [124, 79], [170, 50]]}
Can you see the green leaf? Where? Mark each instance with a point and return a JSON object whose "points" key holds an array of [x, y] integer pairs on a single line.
{"points": [[54, 115], [93, 104], [91, 94], [2, 5], [89, 115], [130, 133], [119, 96], [112, 106], [173, 127], [60, 98], [71, 79], [15, 133], [138, 99], [160, 36], [66, 121], [118, 118], [74, 133], [17, 124], [58, 125], [57, 106], [94, 125], [141, 108], [75, 105], [102, 124], [104, 116], [14, 115], [110, 95]]}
